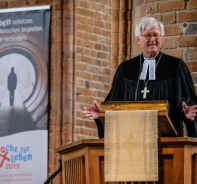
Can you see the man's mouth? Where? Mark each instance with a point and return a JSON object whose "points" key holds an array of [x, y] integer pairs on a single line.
{"points": [[152, 45]]}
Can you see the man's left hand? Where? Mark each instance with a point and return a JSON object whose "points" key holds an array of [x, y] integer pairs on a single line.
{"points": [[190, 111]]}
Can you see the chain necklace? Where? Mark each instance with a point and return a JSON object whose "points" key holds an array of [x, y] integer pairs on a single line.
{"points": [[145, 90]]}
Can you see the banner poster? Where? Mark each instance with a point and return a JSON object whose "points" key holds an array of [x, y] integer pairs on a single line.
{"points": [[24, 61]]}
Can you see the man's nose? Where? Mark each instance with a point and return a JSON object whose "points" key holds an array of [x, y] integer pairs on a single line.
{"points": [[152, 38]]}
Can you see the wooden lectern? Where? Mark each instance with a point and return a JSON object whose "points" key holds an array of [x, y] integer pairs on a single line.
{"points": [[83, 161], [165, 126]]}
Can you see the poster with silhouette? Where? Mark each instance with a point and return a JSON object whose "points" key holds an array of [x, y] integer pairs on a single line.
{"points": [[24, 60]]}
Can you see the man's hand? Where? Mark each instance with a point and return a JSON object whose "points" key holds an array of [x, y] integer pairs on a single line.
{"points": [[92, 112], [190, 111]]}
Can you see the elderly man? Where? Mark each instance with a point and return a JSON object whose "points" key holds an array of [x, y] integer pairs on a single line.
{"points": [[153, 75]]}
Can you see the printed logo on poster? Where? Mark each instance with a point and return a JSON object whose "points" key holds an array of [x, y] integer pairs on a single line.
{"points": [[11, 156]]}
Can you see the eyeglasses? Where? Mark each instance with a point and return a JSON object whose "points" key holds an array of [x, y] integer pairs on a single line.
{"points": [[148, 36]]}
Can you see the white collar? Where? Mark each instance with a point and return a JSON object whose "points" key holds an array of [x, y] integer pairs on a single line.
{"points": [[148, 63]]}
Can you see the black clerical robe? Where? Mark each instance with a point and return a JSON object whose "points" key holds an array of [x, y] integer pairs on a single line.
{"points": [[173, 83]]}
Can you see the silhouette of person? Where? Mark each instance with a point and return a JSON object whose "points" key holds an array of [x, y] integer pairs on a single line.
{"points": [[12, 82]]}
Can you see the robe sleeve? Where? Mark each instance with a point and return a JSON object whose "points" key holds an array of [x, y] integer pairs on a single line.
{"points": [[185, 87], [186, 92], [117, 90]]}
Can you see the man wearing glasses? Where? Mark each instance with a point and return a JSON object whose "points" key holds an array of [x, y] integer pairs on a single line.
{"points": [[153, 75]]}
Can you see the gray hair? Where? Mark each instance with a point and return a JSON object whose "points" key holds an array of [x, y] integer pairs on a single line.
{"points": [[148, 23]]}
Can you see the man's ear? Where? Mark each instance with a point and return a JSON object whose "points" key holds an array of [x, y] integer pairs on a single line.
{"points": [[138, 39]]}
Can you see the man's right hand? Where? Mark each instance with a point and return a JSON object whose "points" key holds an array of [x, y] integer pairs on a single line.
{"points": [[92, 112]]}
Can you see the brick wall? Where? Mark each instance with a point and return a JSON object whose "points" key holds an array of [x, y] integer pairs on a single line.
{"points": [[81, 32], [92, 58], [89, 38]]}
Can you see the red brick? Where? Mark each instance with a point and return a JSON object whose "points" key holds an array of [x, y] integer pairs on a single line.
{"points": [[174, 52], [90, 124], [97, 7], [123, 26], [187, 41], [121, 58], [108, 11], [98, 15], [95, 133], [13, 4], [192, 4], [157, 17], [123, 50], [128, 52], [122, 15], [169, 18], [102, 55], [123, 38], [137, 2], [191, 54], [107, 2], [108, 25], [45, 1], [115, 16], [85, 75], [188, 16], [106, 17], [84, 20], [97, 22], [97, 30], [93, 37], [66, 6], [84, 27], [106, 33], [136, 49], [170, 43], [192, 66], [86, 59], [139, 11], [129, 15], [114, 62], [173, 30], [86, 12], [98, 78], [85, 131], [172, 6], [115, 50], [114, 39], [79, 82], [97, 62], [115, 4], [153, 8], [149, 1], [67, 87], [129, 39], [98, 46], [80, 50], [123, 4]]}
